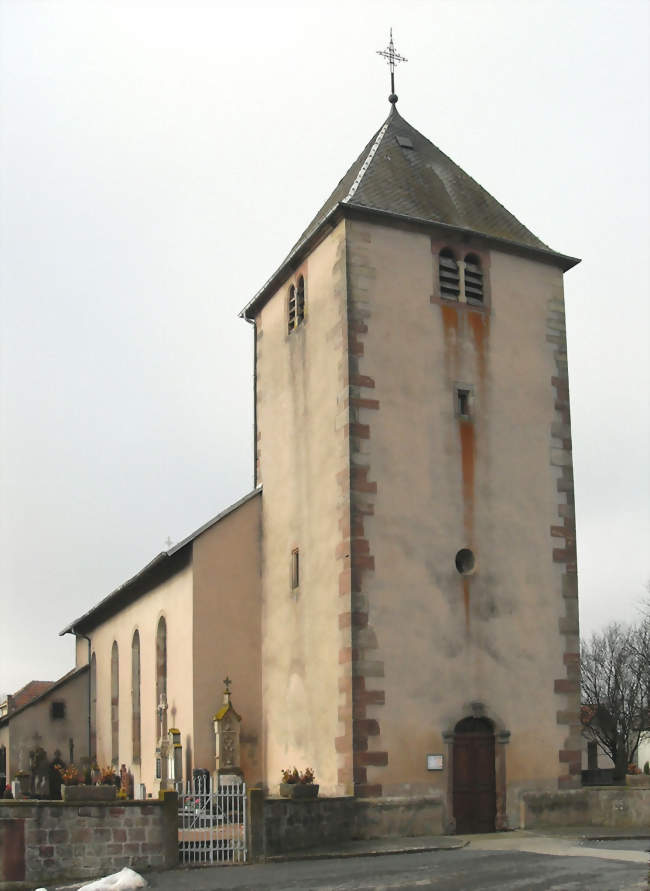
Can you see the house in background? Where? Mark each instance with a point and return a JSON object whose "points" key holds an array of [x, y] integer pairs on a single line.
{"points": [[398, 607], [41, 719]]}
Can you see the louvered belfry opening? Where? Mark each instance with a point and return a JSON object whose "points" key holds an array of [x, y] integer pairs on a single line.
{"points": [[292, 308], [300, 301], [473, 278], [449, 275], [296, 304]]}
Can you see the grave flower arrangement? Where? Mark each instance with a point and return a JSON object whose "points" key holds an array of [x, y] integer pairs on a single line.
{"points": [[70, 775]]}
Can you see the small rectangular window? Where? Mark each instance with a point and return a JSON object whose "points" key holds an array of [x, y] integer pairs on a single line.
{"points": [[295, 568], [462, 404], [57, 710]]}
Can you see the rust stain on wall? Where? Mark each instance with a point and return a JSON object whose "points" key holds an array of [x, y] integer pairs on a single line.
{"points": [[467, 448], [479, 324], [465, 581]]}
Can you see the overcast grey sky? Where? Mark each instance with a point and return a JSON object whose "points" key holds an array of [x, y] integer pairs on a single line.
{"points": [[157, 161]]}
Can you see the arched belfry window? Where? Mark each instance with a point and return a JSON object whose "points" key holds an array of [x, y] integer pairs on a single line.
{"points": [[296, 304], [449, 275], [115, 705], [473, 278], [135, 696], [161, 660]]}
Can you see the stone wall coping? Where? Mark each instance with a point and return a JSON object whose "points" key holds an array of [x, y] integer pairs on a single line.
{"points": [[381, 800], [116, 802], [587, 790]]}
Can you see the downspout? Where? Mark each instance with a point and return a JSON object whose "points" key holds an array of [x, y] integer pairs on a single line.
{"points": [[85, 636], [252, 322]]}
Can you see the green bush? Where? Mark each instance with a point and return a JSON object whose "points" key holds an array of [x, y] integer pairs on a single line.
{"points": [[646, 768]]}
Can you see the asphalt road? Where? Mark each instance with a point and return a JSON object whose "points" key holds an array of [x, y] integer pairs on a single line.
{"points": [[459, 870]]}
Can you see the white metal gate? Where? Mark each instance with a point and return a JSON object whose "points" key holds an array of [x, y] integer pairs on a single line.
{"points": [[211, 822]]}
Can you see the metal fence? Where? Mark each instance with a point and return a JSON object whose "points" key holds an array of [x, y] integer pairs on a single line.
{"points": [[211, 822]]}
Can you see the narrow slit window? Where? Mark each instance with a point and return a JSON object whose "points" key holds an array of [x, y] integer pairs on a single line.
{"points": [[473, 279], [449, 275], [463, 403], [295, 569]]}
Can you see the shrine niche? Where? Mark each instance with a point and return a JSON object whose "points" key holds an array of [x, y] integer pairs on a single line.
{"points": [[227, 730]]}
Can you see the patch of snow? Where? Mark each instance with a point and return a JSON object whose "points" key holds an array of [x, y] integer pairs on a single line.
{"points": [[124, 880]]}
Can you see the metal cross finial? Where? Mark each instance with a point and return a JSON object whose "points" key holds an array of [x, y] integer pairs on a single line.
{"points": [[227, 683], [391, 57], [168, 542]]}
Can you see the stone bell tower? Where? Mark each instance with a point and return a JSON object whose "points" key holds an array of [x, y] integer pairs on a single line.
{"points": [[413, 440]]}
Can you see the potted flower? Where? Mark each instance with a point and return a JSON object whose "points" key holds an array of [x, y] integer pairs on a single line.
{"points": [[298, 785]]}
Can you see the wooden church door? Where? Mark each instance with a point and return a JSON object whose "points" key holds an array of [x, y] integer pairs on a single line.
{"points": [[474, 776]]}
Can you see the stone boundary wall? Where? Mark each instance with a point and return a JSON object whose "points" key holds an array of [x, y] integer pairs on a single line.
{"points": [[46, 841], [286, 825], [612, 807]]}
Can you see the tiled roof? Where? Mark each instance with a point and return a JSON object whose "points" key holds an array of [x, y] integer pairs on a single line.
{"points": [[30, 691], [420, 182]]}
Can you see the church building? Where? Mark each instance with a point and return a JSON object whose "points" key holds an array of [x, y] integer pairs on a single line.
{"points": [[396, 600]]}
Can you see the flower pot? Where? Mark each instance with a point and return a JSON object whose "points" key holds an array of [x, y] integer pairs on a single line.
{"points": [[299, 791], [88, 793]]}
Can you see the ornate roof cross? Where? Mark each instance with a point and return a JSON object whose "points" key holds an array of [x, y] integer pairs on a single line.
{"points": [[227, 683], [391, 57]]}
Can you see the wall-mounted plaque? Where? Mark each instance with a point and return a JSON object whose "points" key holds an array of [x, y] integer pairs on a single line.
{"points": [[435, 762]]}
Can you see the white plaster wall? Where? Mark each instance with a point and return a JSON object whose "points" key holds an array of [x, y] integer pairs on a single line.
{"points": [[301, 454]]}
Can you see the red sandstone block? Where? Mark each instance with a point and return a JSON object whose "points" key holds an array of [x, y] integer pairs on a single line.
{"points": [[362, 561], [119, 835], [359, 402], [114, 848], [131, 849], [348, 654], [356, 619], [137, 835], [46, 851], [345, 583], [116, 811], [361, 431], [366, 727], [372, 697], [359, 774], [571, 658], [361, 380], [376, 759], [564, 685]]}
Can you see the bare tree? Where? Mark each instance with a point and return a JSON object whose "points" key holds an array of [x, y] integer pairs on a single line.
{"points": [[615, 682]]}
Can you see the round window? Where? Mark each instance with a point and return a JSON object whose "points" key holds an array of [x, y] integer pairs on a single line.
{"points": [[465, 561]]}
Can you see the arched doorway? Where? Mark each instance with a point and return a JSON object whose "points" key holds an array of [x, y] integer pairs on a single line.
{"points": [[474, 775]]}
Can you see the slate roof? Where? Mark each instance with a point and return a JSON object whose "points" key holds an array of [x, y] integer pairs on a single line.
{"points": [[402, 174], [422, 183]]}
